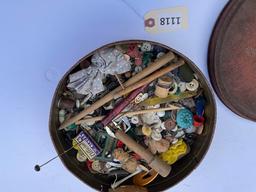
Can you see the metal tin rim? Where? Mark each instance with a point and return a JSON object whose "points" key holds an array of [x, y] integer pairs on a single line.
{"points": [[160, 186]]}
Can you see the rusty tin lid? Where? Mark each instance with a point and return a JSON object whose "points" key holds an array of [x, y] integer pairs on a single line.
{"points": [[232, 57]]}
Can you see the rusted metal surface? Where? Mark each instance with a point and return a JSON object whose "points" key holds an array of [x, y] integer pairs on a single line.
{"points": [[232, 57]]}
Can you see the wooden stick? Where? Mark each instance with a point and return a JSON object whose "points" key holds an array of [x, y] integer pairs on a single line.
{"points": [[119, 81], [157, 64], [153, 161], [149, 79], [128, 114]]}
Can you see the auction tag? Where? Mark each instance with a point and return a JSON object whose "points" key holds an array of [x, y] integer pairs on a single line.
{"points": [[164, 20]]}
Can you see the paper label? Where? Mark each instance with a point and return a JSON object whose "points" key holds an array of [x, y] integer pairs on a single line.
{"points": [[165, 20], [87, 145]]}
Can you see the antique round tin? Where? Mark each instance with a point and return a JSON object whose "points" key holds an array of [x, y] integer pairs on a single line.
{"points": [[180, 170]]}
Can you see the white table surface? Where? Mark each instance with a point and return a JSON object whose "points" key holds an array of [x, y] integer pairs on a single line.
{"points": [[39, 42]]}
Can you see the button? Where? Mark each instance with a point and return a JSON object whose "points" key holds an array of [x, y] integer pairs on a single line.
{"points": [[135, 120], [191, 129], [146, 47], [81, 157], [174, 88], [175, 129], [156, 136], [180, 134], [146, 130], [145, 96], [97, 166], [184, 118], [175, 140], [137, 69], [169, 124], [159, 129], [139, 98], [128, 74], [62, 113], [182, 86], [161, 113], [193, 85]]}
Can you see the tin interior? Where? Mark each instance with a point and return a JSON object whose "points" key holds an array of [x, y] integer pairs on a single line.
{"points": [[180, 169]]}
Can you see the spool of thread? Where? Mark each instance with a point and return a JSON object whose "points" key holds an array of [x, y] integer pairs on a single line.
{"points": [[66, 103], [163, 85]]}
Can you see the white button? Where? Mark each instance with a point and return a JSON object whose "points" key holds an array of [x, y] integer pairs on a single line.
{"points": [[174, 88], [81, 157], [156, 135], [193, 85], [135, 120], [146, 47], [182, 86], [161, 113], [139, 98]]}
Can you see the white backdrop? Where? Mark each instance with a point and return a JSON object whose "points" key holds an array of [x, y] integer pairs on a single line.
{"points": [[39, 42]]}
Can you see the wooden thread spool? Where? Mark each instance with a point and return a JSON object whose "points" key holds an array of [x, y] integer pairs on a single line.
{"points": [[163, 85]]}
